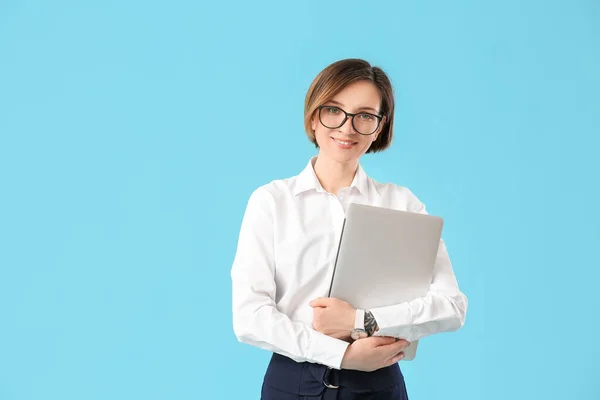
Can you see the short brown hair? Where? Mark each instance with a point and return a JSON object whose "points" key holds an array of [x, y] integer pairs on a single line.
{"points": [[334, 78]]}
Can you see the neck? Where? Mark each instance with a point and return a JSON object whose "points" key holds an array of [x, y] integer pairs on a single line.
{"points": [[334, 175]]}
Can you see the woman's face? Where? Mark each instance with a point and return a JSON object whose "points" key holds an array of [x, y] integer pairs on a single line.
{"points": [[345, 144]]}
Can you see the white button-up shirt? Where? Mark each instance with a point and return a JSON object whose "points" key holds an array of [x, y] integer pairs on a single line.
{"points": [[285, 257]]}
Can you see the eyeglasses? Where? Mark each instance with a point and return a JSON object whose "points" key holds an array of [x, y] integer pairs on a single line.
{"points": [[333, 117]]}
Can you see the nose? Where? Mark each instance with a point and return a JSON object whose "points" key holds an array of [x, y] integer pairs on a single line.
{"points": [[347, 127]]}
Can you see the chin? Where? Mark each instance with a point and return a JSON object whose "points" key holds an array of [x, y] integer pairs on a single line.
{"points": [[341, 156]]}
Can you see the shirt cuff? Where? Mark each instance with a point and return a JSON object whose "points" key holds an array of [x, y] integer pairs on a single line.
{"points": [[327, 351], [394, 320]]}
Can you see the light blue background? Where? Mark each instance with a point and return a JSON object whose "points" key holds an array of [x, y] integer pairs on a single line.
{"points": [[133, 132]]}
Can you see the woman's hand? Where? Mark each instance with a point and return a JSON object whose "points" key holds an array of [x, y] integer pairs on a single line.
{"points": [[333, 317], [373, 353]]}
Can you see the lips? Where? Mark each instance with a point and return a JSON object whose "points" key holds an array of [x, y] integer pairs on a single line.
{"points": [[345, 141], [344, 144]]}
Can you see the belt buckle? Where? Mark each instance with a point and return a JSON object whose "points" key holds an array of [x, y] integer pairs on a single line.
{"points": [[327, 384]]}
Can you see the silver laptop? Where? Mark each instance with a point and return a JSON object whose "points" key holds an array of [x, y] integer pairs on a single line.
{"points": [[385, 257]]}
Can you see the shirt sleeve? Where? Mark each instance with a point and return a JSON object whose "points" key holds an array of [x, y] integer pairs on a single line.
{"points": [[256, 319], [442, 309]]}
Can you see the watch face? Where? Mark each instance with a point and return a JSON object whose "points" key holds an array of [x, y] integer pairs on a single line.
{"points": [[358, 334]]}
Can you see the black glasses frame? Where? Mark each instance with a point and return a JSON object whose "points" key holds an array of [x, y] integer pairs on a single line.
{"points": [[379, 118]]}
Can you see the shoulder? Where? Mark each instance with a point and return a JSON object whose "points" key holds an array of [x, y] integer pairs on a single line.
{"points": [[273, 192], [398, 196]]}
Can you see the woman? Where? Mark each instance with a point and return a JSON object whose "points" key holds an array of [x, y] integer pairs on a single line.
{"points": [[286, 252]]}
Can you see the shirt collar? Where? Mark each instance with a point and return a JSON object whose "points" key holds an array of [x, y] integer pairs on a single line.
{"points": [[307, 180]]}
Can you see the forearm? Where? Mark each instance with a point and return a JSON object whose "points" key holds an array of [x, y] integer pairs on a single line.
{"points": [[267, 328], [433, 313]]}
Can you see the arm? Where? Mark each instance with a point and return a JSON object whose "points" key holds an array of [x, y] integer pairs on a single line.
{"points": [[256, 319], [442, 309]]}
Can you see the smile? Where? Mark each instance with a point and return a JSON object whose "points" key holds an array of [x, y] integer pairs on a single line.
{"points": [[344, 144]]}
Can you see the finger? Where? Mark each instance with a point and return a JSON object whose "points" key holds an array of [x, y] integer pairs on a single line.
{"points": [[396, 358], [401, 344], [382, 340], [395, 348], [319, 302]]}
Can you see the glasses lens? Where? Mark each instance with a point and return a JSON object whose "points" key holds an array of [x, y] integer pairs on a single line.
{"points": [[332, 117], [365, 123]]}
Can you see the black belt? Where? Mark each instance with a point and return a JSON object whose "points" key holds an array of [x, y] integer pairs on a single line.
{"points": [[310, 379]]}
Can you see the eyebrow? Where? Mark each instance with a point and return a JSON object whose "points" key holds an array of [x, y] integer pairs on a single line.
{"points": [[359, 108]]}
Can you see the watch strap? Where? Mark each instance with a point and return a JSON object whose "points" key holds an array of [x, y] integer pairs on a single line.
{"points": [[370, 324], [359, 322]]}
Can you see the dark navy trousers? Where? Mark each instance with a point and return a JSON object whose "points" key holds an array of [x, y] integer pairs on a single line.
{"points": [[286, 379]]}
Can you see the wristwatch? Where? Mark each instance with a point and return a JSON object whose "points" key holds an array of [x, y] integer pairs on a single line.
{"points": [[359, 331]]}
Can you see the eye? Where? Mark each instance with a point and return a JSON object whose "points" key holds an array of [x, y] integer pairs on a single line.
{"points": [[366, 117], [332, 110]]}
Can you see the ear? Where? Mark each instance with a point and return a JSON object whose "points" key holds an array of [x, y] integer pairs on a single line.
{"points": [[313, 123]]}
